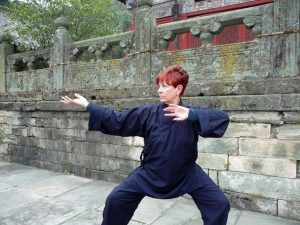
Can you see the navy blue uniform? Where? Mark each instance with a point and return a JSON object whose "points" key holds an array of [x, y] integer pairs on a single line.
{"points": [[168, 167]]}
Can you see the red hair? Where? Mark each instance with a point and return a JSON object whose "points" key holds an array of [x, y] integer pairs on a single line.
{"points": [[174, 75]]}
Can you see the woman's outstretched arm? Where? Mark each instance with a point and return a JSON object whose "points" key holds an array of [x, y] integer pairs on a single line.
{"points": [[109, 121]]}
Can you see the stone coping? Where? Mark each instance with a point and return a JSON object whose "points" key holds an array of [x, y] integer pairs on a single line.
{"points": [[274, 102]]}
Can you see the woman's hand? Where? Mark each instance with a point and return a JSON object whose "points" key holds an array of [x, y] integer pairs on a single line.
{"points": [[77, 101], [179, 112]]}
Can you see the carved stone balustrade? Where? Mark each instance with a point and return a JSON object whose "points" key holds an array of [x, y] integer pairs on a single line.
{"points": [[205, 27], [254, 23], [28, 60], [165, 37], [100, 48]]}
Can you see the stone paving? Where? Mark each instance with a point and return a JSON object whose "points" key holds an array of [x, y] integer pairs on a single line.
{"points": [[31, 196]]}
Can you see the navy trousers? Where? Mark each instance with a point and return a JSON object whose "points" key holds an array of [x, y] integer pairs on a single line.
{"points": [[121, 204]]}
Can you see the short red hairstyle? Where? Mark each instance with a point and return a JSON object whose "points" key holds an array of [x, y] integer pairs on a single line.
{"points": [[174, 75]]}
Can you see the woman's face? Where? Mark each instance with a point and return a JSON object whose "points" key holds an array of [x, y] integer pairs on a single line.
{"points": [[169, 94]]}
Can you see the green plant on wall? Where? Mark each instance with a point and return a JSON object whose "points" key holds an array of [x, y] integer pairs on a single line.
{"points": [[2, 135]]}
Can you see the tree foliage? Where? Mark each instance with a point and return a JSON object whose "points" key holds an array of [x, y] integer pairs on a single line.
{"points": [[4, 2], [34, 20]]}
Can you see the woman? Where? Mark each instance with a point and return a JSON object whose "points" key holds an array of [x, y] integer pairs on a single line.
{"points": [[168, 161]]}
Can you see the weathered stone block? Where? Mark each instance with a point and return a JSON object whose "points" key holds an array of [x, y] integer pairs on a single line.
{"points": [[256, 117], [213, 161], [260, 185], [20, 131], [49, 165], [76, 115], [138, 141], [252, 202], [41, 114], [82, 76], [16, 151], [223, 62], [30, 81], [298, 168], [289, 209], [69, 134], [273, 102], [52, 133], [44, 122], [55, 145], [213, 174], [266, 166], [127, 166], [107, 92], [96, 136], [62, 123], [75, 124], [270, 148], [21, 121], [96, 149], [222, 87], [10, 139], [3, 120], [248, 130], [132, 153], [3, 149], [18, 106], [28, 141], [35, 163], [79, 160], [126, 103], [78, 170], [39, 132], [54, 156], [59, 115], [115, 165], [4, 113], [105, 175], [291, 117], [5, 157], [5, 129], [228, 146], [78, 147], [287, 132], [31, 96], [31, 153], [55, 106]]}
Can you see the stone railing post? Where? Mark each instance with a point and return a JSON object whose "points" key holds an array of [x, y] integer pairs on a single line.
{"points": [[5, 50], [57, 53], [286, 38], [145, 41]]}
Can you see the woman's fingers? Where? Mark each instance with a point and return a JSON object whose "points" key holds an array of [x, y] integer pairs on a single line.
{"points": [[64, 100], [67, 100], [171, 108], [78, 100], [77, 95], [179, 112], [169, 114]]}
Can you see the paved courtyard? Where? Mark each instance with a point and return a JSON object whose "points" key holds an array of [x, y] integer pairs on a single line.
{"points": [[31, 196]]}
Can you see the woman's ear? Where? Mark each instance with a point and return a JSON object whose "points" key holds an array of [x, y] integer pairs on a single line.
{"points": [[179, 88]]}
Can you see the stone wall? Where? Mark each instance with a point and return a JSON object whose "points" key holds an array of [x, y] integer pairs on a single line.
{"points": [[257, 162]]}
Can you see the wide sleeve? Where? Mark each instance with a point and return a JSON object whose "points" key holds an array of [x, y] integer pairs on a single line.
{"points": [[109, 121], [211, 122]]}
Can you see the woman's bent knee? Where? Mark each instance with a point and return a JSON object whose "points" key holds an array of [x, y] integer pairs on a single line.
{"points": [[112, 200], [225, 204]]}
